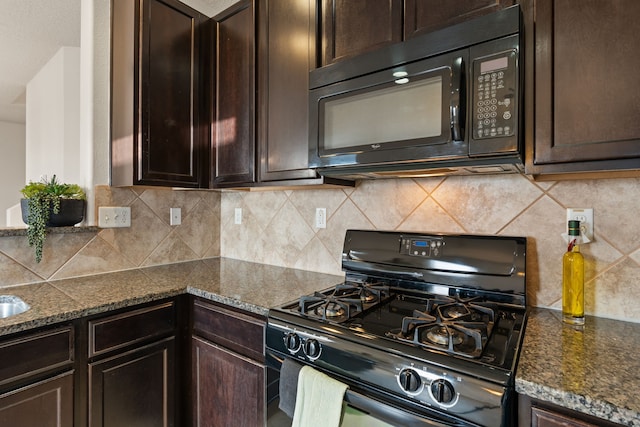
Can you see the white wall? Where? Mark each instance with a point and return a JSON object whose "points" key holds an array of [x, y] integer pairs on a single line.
{"points": [[12, 165], [53, 117]]}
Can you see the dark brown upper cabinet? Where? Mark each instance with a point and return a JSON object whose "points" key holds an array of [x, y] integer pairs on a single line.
{"points": [[264, 50], [582, 101], [351, 27], [233, 95], [286, 52], [158, 135], [424, 16]]}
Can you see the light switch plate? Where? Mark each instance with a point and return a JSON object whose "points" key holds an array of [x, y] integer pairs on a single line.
{"points": [[175, 216], [321, 217], [114, 217]]}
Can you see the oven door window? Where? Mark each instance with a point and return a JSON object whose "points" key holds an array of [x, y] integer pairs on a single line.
{"points": [[353, 417]]}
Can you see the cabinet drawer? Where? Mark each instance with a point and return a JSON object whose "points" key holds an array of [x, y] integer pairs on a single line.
{"points": [[32, 354], [239, 332], [131, 327]]}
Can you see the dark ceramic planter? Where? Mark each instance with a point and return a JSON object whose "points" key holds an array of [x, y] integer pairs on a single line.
{"points": [[71, 213]]}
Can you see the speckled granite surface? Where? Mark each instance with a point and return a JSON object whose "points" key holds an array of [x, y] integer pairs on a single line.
{"points": [[249, 286], [595, 371]]}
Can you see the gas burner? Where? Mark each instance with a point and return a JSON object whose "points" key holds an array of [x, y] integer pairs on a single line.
{"points": [[327, 307], [453, 311], [449, 324], [330, 309], [442, 335], [367, 293]]}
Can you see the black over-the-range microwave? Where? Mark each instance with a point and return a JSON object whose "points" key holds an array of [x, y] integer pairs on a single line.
{"points": [[447, 102]]}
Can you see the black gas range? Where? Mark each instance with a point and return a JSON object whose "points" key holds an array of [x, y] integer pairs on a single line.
{"points": [[425, 329]]}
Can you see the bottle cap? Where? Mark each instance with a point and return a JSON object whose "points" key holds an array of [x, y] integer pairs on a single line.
{"points": [[574, 228]]}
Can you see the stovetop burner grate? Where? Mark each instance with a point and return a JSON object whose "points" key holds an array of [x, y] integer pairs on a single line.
{"points": [[344, 302], [453, 325]]}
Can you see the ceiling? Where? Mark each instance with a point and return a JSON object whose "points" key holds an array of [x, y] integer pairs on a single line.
{"points": [[31, 32]]}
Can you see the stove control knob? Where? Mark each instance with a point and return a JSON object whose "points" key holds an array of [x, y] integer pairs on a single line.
{"points": [[312, 348], [292, 341], [409, 380], [442, 391]]}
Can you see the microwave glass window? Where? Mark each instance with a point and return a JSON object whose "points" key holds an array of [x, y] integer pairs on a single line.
{"points": [[401, 112]]}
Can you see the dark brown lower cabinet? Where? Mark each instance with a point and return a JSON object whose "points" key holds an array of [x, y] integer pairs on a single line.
{"points": [[132, 364], [36, 378], [46, 403], [535, 413], [228, 388], [135, 388], [228, 370]]}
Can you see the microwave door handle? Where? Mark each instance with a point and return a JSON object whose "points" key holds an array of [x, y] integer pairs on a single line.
{"points": [[455, 108]]}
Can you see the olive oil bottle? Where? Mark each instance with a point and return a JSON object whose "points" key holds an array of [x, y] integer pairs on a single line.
{"points": [[573, 278]]}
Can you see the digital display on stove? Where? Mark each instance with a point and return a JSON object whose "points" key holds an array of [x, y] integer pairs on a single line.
{"points": [[429, 247]]}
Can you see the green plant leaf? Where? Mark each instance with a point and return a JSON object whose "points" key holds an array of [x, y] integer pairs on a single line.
{"points": [[44, 197]]}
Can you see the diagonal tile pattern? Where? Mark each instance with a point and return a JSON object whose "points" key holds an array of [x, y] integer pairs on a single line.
{"points": [[500, 204], [278, 228]]}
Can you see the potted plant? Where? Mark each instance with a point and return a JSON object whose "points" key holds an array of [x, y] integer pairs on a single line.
{"points": [[50, 203]]}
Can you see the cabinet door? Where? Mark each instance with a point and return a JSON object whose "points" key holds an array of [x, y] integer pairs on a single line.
{"points": [[233, 121], [286, 55], [586, 104], [544, 418], [135, 388], [423, 16], [228, 389], [47, 403], [157, 135], [351, 27]]}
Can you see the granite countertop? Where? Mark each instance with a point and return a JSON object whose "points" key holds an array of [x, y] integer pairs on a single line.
{"points": [[245, 285], [595, 370]]}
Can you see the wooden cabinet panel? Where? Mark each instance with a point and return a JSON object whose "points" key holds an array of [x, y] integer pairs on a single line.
{"points": [[228, 389], [157, 136], [351, 27], [233, 121], [286, 54], [536, 413], [585, 109], [134, 326], [423, 16], [33, 354], [135, 388], [237, 331], [47, 403], [544, 418]]}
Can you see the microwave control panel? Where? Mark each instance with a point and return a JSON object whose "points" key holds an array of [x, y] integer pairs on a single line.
{"points": [[494, 91]]}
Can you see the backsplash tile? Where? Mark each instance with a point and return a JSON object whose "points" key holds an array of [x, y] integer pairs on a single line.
{"points": [[499, 204], [149, 241], [278, 228]]}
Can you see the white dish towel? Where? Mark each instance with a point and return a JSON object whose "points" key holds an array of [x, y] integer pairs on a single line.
{"points": [[319, 399]]}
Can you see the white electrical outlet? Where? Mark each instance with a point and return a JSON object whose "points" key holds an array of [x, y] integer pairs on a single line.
{"points": [[175, 216], [237, 216], [585, 216], [321, 217], [114, 217]]}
